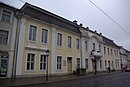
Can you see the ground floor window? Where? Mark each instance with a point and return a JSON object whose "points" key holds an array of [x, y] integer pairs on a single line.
{"points": [[100, 63], [30, 61], [59, 62], [78, 63], [86, 63], [43, 62]]}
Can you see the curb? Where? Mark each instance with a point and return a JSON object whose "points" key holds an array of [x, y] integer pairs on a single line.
{"points": [[82, 77]]}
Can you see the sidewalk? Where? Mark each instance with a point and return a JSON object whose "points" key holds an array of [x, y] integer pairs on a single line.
{"points": [[37, 80]]}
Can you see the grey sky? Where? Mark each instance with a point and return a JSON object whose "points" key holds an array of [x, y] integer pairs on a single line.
{"points": [[87, 14]]}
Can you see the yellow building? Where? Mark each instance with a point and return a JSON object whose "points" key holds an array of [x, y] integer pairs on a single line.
{"points": [[40, 31]]}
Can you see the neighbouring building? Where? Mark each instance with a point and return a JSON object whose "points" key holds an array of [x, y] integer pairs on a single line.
{"points": [[8, 25]]}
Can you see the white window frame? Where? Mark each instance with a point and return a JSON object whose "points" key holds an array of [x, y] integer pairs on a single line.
{"points": [[59, 63], [7, 36], [78, 63], [30, 59], [1, 12], [31, 35], [59, 39], [43, 37], [42, 62], [69, 42], [77, 44]]}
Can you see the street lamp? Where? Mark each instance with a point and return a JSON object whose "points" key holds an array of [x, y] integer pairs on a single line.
{"points": [[47, 54]]}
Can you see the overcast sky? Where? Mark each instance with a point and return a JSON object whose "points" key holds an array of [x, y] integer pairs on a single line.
{"points": [[87, 14]]}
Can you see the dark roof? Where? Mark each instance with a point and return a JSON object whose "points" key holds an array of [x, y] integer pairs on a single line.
{"points": [[49, 17], [109, 42]]}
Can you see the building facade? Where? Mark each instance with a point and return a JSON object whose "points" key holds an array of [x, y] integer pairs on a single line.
{"points": [[26, 38]]}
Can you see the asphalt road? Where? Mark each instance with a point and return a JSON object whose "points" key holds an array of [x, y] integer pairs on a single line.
{"points": [[112, 80]]}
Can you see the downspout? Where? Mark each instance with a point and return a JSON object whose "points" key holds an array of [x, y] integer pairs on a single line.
{"points": [[18, 15]]}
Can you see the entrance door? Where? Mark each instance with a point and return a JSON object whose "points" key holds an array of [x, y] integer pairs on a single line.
{"points": [[3, 65], [69, 60]]}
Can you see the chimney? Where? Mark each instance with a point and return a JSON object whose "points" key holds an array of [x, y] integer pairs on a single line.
{"points": [[75, 21]]}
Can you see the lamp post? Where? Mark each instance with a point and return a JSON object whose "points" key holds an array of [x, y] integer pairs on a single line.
{"points": [[47, 54]]}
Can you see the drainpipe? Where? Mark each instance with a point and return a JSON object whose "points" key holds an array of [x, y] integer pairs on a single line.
{"points": [[18, 15]]}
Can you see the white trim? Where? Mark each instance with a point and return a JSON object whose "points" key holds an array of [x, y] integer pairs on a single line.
{"points": [[21, 47], [53, 50], [32, 52]]}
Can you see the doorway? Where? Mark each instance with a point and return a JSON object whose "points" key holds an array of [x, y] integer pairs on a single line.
{"points": [[69, 61]]}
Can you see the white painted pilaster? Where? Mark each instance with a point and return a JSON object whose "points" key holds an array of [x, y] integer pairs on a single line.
{"points": [[53, 51], [21, 47], [11, 53], [83, 52]]}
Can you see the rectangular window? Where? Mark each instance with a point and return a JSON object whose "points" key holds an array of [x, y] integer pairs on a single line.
{"points": [[78, 63], [3, 37], [32, 33], [86, 45], [111, 52], [59, 39], [44, 36], [108, 50], [30, 61], [99, 48], [77, 40], [94, 46], [69, 41], [6, 16], [104, 50], [59, 62], [100, 63], [105, 63], [86, 63], [109, 64], [43, 62]]}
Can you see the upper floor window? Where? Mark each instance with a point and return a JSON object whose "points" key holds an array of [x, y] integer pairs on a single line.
{"points": [[108, 50], [32, 33], [86, 45], [99, 48], [3, 37], [77, 40], [6, 16], [104, 50], [59, 62], [111, 52], [94, 46], [59, 39], [69, 41], [30, 61], [44, 36]]}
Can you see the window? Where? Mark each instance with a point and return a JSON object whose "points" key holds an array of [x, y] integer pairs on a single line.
{"points": [[77, 40], [6, 16], [108, 50], [78, 63], [3, 37], [59, 39], [43, 63], [86, 63], [105, 63], [111, 52], [99, 48], [109, 63], [104, 50], [86, 45], [59, 62], [30, 61], [69, 41], [94, 46], [44, 36], [100, 63], [32, 33]]}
